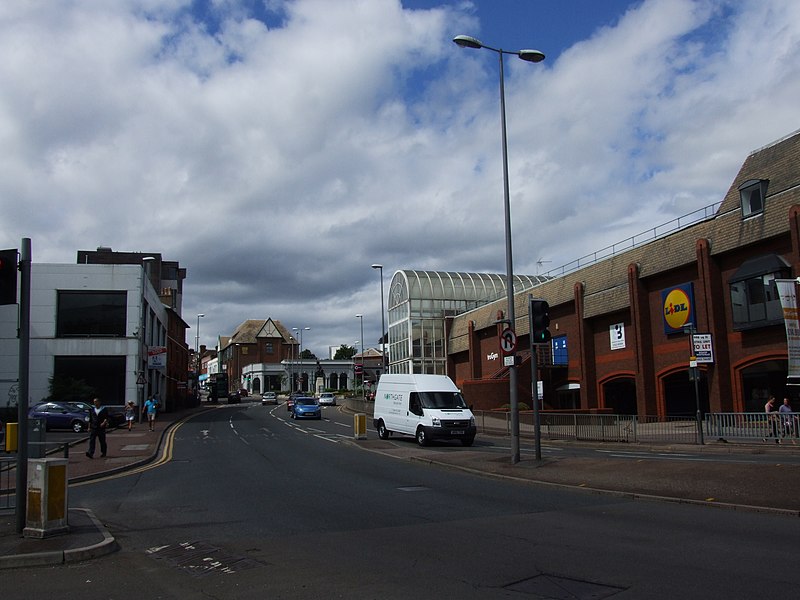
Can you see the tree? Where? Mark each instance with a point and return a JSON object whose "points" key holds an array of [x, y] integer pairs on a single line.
{"points": [[344, 352], [307, 354]]}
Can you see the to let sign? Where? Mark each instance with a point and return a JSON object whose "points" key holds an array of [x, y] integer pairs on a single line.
{"points": [[702, 347]]}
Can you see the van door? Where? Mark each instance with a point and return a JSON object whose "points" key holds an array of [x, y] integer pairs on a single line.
{"points": [[414, 414]]}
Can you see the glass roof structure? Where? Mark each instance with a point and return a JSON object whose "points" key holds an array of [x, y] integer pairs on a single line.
{"points": [[419, 302]]}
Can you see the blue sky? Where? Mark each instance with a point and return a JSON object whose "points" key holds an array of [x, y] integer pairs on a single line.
{"points": [[277, 149]]}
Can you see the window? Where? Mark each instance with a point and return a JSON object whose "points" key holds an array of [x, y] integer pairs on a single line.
{"points": [[268, 348], [560, 354], [754, 295], [752, 194], [91, 314]]}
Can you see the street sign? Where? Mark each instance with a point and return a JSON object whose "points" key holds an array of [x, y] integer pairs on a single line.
{"points": [[702, 347], [508, 340]]}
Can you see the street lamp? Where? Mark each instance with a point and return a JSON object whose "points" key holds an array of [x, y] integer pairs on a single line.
{"points": [[383, 323], [466, 41], [363, 396], [197, 356], [300, 331]]}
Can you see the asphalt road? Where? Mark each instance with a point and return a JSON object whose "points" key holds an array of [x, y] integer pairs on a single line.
{"points": [[253, 505]]}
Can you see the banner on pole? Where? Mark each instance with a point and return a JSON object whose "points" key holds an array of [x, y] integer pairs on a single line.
{"points": [[787, 292]]}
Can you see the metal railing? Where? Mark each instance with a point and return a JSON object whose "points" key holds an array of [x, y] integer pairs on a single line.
{"points": [[645, 429], [7, 481]]}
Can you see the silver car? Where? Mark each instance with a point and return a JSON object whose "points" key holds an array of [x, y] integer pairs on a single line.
{"points": [[269, 398], [327, 398]]}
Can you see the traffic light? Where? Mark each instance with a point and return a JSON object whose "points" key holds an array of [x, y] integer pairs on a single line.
{"points": [[540, 320], [8, 276]]}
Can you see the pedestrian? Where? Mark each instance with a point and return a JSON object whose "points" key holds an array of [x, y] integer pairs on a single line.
{"points": [[98, 421], [772, 419], [130, 414], [150, 407], [788, 419]]}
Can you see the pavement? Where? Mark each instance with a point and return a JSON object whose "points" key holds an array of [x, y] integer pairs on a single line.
{"points": [[644, 472]]}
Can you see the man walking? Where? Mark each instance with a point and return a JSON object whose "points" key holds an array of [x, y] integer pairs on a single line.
{"points": [[98, 421], [151, 407]]}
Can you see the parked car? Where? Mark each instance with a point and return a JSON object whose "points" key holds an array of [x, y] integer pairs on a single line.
{"points": [[327, 398], [234, 398], [59, 415], [243, 393], [269, 398], [306, 408]]}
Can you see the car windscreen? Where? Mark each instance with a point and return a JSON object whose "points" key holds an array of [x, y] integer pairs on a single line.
{"points": [[306, 401], [442, 400]]}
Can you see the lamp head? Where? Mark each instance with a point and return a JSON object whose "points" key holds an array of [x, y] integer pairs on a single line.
{"points": [[377, 266], [533, 56], [467, 41]]}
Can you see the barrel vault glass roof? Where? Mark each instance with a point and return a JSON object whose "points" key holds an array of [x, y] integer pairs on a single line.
{"points": [[445, 285]]}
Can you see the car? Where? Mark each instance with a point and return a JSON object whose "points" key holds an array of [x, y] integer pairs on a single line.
{"points": [[292, 397], [306, 407], [243, 393], [327, 398], [234, 398], [60, 415], [269, 398]]}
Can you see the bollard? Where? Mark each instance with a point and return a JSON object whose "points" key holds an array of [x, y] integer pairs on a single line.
{"points": [[360, 426]]}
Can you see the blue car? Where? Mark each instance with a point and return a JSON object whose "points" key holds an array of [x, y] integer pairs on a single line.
{"points": [[58, 415], [306, 408]]}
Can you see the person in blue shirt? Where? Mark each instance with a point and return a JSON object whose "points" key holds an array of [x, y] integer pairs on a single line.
{"points": [[150, 407]]}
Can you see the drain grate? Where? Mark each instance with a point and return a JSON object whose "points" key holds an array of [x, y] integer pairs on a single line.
{"points": [[199, 559], [554, 587]]}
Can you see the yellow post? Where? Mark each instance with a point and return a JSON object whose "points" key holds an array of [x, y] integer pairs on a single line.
{"points": [[11, 437], [360, 426]]}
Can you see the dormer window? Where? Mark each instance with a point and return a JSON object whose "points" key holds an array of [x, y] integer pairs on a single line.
{"points": [[752, 194]]}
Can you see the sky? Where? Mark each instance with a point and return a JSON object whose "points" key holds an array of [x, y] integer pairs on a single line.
{"points": [[278, 148]]}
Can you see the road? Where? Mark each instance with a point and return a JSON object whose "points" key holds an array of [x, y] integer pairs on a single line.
{"points": [[254, 505]]}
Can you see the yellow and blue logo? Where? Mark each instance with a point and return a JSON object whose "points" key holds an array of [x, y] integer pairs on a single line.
{"points": [[678, 308]]}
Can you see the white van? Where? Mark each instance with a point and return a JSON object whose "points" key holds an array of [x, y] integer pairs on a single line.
{"points": [[425, 406]]}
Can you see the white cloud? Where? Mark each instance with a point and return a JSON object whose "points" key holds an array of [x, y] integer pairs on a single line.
{"points": [[277, 160]]}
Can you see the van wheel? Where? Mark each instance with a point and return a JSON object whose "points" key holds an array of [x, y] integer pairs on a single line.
{"points": [[383, 433], [422, 440], [467, 441]]}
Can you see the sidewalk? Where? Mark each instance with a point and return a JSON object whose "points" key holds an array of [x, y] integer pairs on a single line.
{"points": [[659, 473]]}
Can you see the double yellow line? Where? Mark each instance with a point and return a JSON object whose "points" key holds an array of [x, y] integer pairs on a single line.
{"points": [[166, 456]]}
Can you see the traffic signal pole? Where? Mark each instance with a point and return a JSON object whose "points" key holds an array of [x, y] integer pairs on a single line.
{"points": [[24, 369], [539, 316]]}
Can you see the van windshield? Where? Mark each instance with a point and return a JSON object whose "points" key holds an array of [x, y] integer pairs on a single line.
{"points": [[442, 400]]}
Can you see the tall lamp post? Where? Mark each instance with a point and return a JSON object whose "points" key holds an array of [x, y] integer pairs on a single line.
{"points": [[466, 41], [383, 323], [363, 395], [300, 331], [197, 356]]}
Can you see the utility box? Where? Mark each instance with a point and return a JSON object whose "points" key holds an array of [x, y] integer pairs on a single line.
{"points": [[360, 426], [47, 498]]}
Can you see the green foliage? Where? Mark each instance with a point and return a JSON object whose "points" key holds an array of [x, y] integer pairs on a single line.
{"points": [[307, 354], [344, 352]]}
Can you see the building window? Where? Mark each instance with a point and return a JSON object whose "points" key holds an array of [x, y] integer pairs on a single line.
{"points": [[268, 348], [752, 194], [754, 294], [91, 314]]}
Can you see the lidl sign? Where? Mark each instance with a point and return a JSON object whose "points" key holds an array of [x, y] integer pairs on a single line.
{"points": [[678, 303]]}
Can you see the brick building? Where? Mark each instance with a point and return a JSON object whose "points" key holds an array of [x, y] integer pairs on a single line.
{"points": [[618, 324]]}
